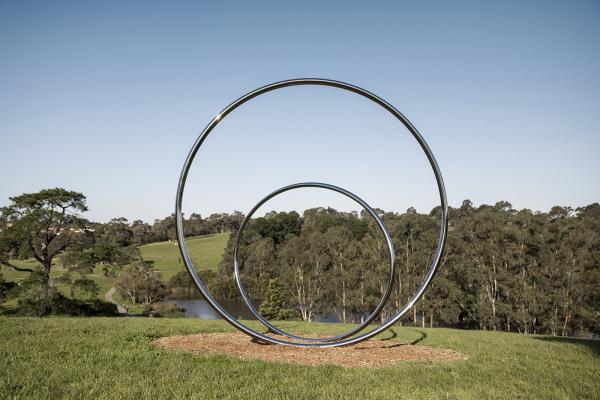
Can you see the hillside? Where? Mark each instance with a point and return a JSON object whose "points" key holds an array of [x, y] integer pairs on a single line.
{"points": [[206, 252], [76, 358]]}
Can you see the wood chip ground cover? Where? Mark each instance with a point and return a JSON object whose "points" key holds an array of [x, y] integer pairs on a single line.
{"points": [[370, 354]]}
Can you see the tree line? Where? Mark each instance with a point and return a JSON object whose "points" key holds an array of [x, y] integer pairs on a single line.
{"points": [[503, 269], [139, 232]]}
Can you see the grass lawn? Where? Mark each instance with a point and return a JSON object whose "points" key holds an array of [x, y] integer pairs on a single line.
{"points": [[111, 358], [206, 252]]}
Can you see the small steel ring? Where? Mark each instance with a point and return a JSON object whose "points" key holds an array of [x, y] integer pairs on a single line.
{"points": [[372, 213]]}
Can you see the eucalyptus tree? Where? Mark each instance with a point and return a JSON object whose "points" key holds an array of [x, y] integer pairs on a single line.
{"points": [[141, 284], [305, 258], [257, 265], [344, 256], [142, 232]]}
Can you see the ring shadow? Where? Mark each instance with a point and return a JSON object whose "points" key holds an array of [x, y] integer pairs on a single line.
{"points": [[394, 334]]}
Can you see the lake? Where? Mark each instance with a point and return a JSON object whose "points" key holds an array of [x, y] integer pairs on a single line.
{"points": [[199, 308]]}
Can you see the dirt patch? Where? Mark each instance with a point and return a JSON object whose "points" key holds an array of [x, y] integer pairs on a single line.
{"points": [[372, 353]]}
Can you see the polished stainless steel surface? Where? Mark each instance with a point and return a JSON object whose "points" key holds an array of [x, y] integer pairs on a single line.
{"points": [[340, 85], [380, 225]]}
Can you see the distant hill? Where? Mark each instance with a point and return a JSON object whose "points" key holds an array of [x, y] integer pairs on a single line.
{"points": [[206, 252]]}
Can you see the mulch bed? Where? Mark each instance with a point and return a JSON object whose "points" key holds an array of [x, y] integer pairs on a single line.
{"points": [[370, 354]]}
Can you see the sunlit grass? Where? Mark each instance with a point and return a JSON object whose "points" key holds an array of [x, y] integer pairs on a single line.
{"points": [[77, 358], [206, 253]]}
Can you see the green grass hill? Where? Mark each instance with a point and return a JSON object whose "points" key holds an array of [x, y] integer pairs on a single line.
{"points": [[112, 358]]}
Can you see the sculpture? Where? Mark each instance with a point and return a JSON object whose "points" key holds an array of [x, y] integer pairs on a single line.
{"points": [[353, 336]]}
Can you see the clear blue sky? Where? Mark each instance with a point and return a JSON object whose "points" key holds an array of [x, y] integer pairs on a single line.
{"points": [[107, 98]]}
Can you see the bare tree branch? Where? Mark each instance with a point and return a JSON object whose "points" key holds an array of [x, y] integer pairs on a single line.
{"points": [[34, 252]]}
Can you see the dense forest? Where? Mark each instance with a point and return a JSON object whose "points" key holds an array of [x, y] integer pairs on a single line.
{"points": [[503, 269]]}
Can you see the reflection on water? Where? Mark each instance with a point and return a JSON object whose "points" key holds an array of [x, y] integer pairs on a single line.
{"points": [[199, 308]]}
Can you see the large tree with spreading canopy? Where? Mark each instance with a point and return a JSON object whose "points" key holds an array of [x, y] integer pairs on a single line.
{"points": [[41, 225]]}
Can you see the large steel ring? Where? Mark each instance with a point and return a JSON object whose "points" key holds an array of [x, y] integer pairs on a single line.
{"points": [[340, 85], [380, 225]]}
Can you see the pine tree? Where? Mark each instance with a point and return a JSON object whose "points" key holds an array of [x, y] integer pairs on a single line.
{"points": [[273, 305]]}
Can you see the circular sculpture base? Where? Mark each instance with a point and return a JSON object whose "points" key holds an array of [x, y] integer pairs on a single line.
{"points": [[372, 354]]}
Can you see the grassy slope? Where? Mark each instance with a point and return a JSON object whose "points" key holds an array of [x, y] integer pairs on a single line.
{"points": [[112, 358], [206, 252]]}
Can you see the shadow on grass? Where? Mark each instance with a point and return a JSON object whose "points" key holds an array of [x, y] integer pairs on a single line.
{"points": [[592, 344], [420, 338], [393, 335]]}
